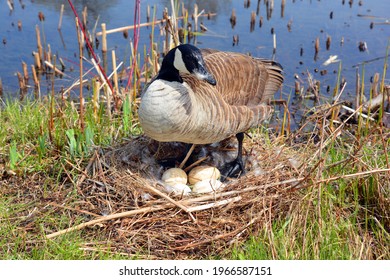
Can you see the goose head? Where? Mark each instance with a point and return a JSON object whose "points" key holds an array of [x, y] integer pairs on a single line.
{"points": [[186, 59]]}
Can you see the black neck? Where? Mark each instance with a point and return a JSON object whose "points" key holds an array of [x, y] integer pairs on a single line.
{"points": [[170, 75], [168, 72]]}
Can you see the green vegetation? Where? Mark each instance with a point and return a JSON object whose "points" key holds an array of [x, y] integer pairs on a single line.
{"points": [[47, 147], [335, 217]]}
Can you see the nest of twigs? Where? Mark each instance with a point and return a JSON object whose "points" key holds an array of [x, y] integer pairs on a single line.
{"points": [[123, 185]]}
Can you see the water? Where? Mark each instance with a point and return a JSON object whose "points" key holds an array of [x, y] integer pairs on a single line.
{"points": [[308, 19]]}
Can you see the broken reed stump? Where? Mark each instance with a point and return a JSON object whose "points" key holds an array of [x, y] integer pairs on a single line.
{"points": [[25, 72], [22, 86], [37, 61], [39, 44], [36, 82]]}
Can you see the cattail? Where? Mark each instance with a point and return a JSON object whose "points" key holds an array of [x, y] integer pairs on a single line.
{"points": [[36, 82], [41, 16], [375, 85], [25, 72], [233, 18], [253, 21], [22, 86], [297, 88], [39, 44], [125, 33], [282, 10], [37, 60], [328, 41], [235, 40], [261, 21], [289, 23], [317, 45]]}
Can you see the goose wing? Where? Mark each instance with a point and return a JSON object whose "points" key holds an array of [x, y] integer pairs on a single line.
{"points": [[241, 79]]}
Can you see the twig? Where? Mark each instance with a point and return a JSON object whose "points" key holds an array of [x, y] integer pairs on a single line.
{"points": [[347, 176], [214, 204], [111, 217], [219, 236], [187, 156], [357, 112], [166, 197]]}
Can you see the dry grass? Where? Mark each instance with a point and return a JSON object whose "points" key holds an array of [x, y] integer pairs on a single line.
{"points": [[321, 181]]}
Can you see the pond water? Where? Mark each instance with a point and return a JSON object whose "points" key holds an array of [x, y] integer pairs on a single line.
{"points": [[296, 27]]}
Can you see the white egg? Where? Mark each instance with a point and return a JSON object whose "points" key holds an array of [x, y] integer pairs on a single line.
{"points": [[203, 172], [207, 186], [177, 189], [174, 176]]}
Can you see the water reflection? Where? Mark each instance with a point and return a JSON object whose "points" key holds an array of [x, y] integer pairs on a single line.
{"points": [[302, 34], [96, 8]]}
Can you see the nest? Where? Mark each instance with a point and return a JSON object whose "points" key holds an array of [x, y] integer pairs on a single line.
{"points": [[140, 218]]}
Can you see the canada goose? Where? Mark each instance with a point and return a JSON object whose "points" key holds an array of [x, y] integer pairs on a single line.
{"points": [[205, 96]]}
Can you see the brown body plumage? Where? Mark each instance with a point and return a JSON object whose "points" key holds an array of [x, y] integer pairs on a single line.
{"points": [[198, 112], [203, 97]]}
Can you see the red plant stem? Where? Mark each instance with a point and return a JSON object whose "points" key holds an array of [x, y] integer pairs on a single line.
{"points": [[92, 51], [137, 22]]}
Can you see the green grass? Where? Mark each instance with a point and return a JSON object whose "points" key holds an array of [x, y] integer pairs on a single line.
{"points": [[345, 218]]}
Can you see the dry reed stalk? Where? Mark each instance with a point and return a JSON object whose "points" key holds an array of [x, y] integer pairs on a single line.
{"points": [[37, 61], [94, 57], [84, 14], [148, 13], [121, 29], [187, 156], [374, 85], [166, 197], [214, 238], [81, 98], [37, 90], [213, 204], [1, 88], [51, 110], [61, 15], [195, 16], [25, 72], [115, 73], [10, 5], [39, 44], [55, 69], [48, 53], [111, 217], [22, 85]]}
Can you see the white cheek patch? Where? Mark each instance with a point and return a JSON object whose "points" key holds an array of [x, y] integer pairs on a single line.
{"points": [[178, 62], [201, 76]]}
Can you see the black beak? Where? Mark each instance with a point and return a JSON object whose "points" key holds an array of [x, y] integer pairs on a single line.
{"points": [[203, 74]]}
